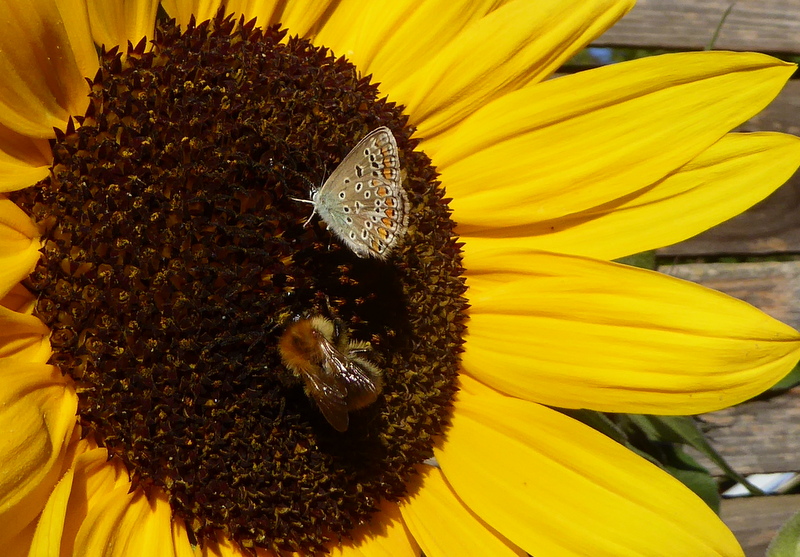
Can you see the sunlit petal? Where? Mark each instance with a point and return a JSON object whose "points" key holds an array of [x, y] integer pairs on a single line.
{"points": [[620, 130], [183, 10], [443, 526], [723, 181], [529, 40], [122, 21], [37, 409], [390, 40], [23, 160], [581, 333], [127, 524], [557, 487], [47, 53], [386, 536]]}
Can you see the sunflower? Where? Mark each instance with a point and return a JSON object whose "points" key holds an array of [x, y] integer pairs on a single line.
{"points": [[156, 255]]}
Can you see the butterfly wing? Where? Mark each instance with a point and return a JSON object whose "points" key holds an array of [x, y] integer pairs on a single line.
{"points": [[363, 201]]}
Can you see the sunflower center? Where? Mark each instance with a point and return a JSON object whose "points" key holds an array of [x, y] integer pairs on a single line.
{"points": [[177, 262]]}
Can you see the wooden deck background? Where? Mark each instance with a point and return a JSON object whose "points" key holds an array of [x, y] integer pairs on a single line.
{"points": [[761, 435]]}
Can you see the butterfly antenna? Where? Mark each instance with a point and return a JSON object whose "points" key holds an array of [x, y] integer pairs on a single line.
{"points": [[309, 201], [308, 220]]}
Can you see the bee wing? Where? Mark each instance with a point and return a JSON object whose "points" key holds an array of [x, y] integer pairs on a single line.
{"points": [[362, 389], [331, 398]]}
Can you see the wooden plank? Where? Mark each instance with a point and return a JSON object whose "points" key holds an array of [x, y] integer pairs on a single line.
{"points": [[759, 25], [757, 436], [772, 286], [756, 520], [781, 115]]}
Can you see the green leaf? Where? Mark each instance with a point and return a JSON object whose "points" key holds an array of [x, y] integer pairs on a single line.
{"points": [[617, 429], [645, 260], [694, 476], [787, 542], [715, 36], [792, 379], [598, 421], [683, 430]]}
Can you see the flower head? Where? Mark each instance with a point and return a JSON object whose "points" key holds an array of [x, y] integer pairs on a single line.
{"points": [[245, 379]]}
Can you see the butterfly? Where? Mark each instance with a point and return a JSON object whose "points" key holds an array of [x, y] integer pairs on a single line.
{"points": [[363, 201]]}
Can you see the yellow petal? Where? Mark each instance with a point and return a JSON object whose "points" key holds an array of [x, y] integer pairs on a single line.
{"points": [[183, 10], [302, 17], [19, 299], [260, 9], [37, 410], [95, 477], [50, 527], [580, 333], [180, 539], [122, 21], [385, 536], [221, 547], [16, 228], [576, 142], [47, 53], [15, 266], [224, 547], [127, 524], [356, 29], [21, 336], [23, 160], [557, 487], [419, 35], [443, 526], [19, 546], [392, 40], [529, 40], [727, 178]]}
